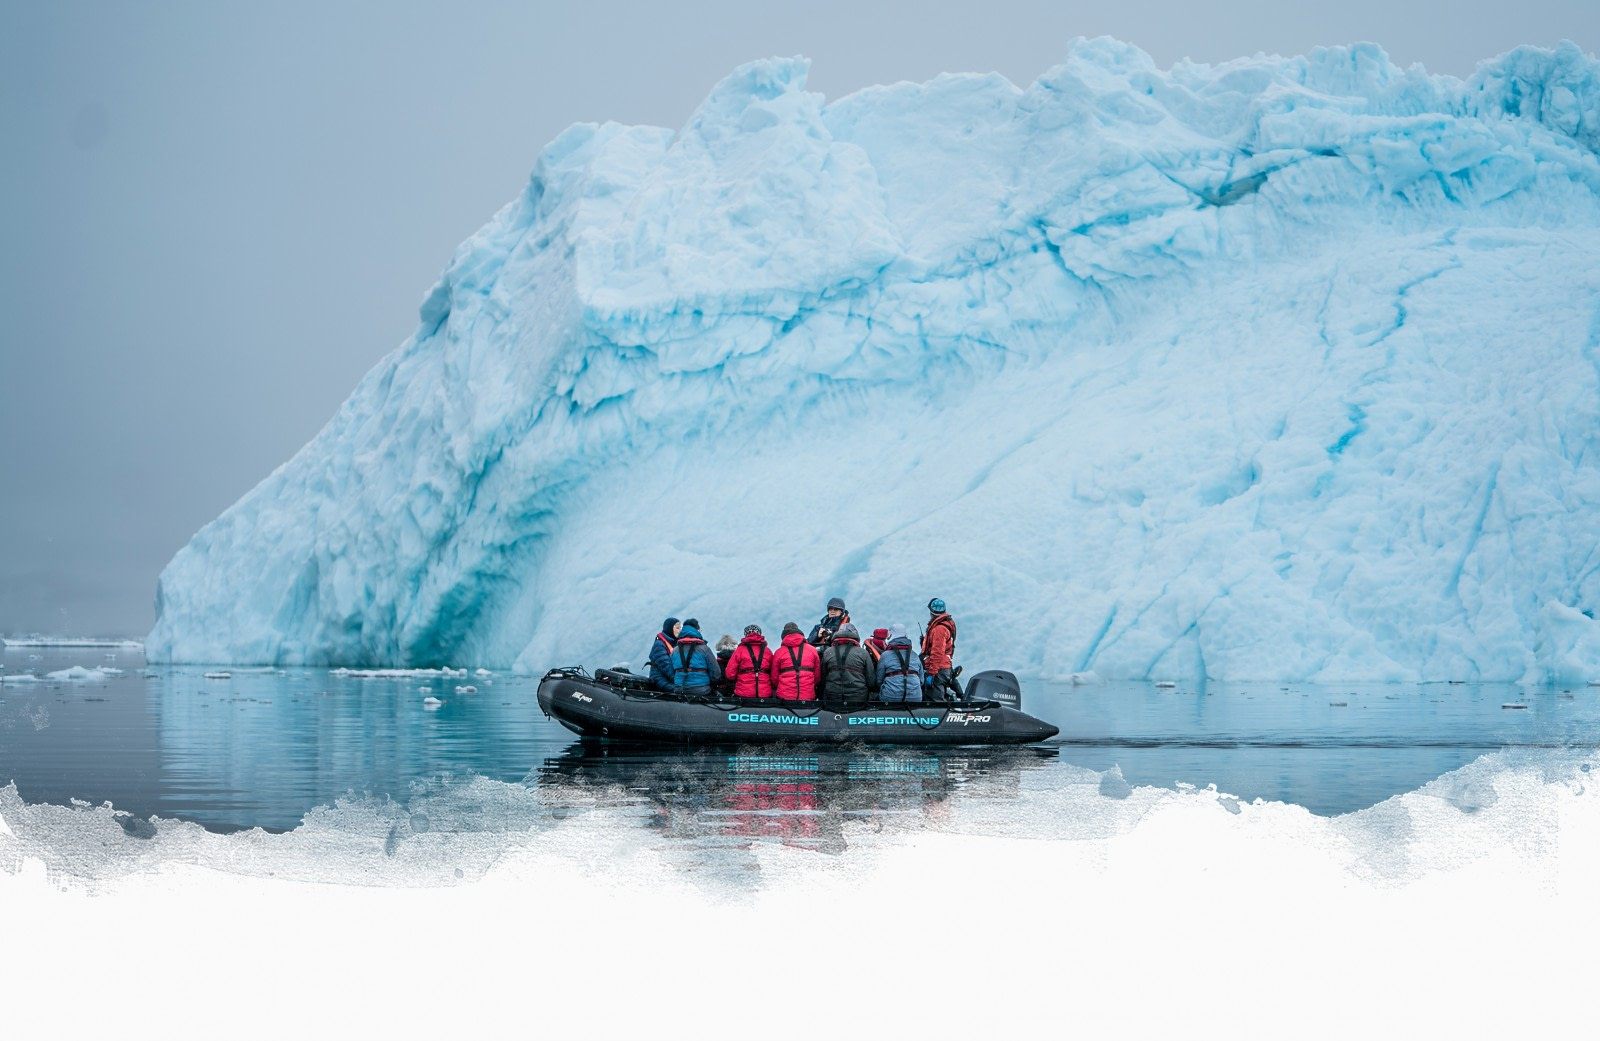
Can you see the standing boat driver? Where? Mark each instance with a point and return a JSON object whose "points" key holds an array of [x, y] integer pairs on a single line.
{"points": [[938, 647], [822, 632], [661, 654], [695, 671]]}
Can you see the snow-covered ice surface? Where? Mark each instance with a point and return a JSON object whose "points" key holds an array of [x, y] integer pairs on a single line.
{"points": [[1069, 911], [1282, 368]]}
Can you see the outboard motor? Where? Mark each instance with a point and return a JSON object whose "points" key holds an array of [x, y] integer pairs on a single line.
{"points": [[995, 685]]}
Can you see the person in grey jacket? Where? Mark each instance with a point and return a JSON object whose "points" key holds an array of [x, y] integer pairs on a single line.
{"points": [[849, 675], [899, 669]]}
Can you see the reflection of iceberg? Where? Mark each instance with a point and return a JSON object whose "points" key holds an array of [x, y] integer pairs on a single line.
{"points": [[261, 749]]}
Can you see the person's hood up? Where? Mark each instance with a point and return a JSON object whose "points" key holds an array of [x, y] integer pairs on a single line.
{"points": [[847, 632], [666, 628], [691, 634]]}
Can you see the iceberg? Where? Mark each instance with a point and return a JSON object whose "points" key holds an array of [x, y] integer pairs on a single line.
{"points": [[1286, 368]]}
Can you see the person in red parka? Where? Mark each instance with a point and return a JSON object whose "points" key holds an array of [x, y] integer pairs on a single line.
{"points": [[938, 645], [747, 667], [795, 665]]}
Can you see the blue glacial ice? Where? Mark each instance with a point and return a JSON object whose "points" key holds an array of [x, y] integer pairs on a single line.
{"points": [[1283, 368]]}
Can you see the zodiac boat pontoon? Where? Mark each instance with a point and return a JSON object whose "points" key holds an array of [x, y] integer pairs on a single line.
{"points": [[619, 705]]}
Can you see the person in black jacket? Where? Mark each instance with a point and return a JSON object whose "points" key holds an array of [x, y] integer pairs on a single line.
{"points": [[849, 675], [725, 647], [823, 631]]}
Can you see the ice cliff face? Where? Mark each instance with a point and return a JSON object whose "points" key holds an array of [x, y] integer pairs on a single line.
{"points": [[1286, 368]]}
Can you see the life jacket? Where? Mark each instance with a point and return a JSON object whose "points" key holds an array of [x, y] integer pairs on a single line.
{"points": [[683, 661], [756, 654], [902, 654], [938, 653], [794, 659]]}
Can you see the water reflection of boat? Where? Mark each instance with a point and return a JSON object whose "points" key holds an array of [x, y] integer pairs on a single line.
{"points": [[799, 795], [619, 705]]}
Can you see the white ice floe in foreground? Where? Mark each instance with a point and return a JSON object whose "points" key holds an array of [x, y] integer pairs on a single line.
{"points": [[1394, 906], [1282, 369]]}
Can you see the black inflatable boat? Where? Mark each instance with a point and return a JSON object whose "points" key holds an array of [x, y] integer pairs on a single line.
{"points": [[619, 705]]}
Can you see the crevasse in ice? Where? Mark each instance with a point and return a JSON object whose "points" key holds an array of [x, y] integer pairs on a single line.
{"points": [[1283, 368]]}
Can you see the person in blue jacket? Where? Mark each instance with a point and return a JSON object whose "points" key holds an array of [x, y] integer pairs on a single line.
{"points": [[899, 668], [695, 671], [661, 654]]}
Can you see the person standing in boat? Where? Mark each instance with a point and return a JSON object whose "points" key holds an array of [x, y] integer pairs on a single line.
{"points": [[795, 666], [849, 675], [822, 632], [694, 667], [747, 666], [938, 647], [899, 670], [661, 654]]}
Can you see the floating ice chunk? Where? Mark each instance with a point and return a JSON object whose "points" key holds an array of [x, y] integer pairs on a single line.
{"points": [[1165, 684], [1513, 704], [467, 690], [77, 674], [431, 703], [385, 674], [424, 690], [1083, 679], [68, 641], [219, 675], [483, 673]]}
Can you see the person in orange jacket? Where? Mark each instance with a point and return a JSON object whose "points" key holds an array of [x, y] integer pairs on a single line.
{"points": [[938, 649], [795, 666]]}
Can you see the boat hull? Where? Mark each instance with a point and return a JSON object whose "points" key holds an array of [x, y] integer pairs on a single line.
{"points": [[595, 709]]}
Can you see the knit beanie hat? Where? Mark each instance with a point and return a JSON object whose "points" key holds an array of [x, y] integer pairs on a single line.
{"points": [[752, 629], [880, 635], [790, 627]]}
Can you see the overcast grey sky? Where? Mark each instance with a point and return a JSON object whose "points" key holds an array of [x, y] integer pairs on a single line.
{"points": [[215, 217]]}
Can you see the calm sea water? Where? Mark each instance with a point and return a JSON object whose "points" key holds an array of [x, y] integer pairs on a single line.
{"points": [[261, 748]]}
